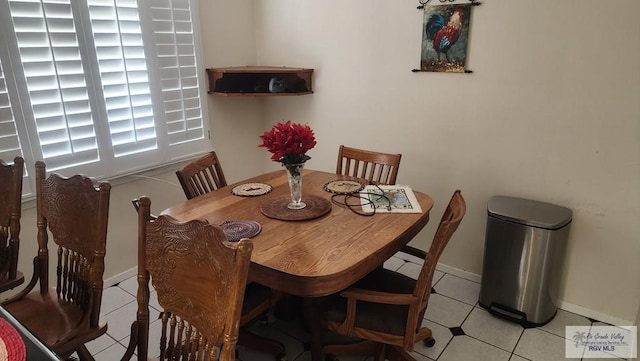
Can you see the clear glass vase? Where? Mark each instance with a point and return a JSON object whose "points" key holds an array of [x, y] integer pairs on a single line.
{"points": [[294, 175]]}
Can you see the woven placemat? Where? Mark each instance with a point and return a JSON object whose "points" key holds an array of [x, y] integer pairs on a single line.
{"points": [[12, 346], [237, 230], [251, 189], [340, 186], [277, 208]]}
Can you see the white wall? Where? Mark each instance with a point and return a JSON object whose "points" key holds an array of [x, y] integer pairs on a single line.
{"points": [[228, 39], [551, 112]]}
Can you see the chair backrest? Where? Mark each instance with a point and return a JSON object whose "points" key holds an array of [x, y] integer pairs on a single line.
{"points": [[200, 281], [201, 176], [10, 211], [449, 223], [75, 211], [381, 168]]}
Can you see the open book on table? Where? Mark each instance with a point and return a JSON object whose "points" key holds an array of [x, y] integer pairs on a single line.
{"points": [[389, 199]]}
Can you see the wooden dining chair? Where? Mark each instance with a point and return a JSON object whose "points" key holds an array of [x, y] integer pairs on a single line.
{"points": [[386, 308], [10, 211], [201, 176], [75, 212], [200, 279], [205, 175], [381, 168]]}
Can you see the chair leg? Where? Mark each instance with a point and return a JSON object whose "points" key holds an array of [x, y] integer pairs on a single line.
{"points": [[260, 343], [84, 354]]}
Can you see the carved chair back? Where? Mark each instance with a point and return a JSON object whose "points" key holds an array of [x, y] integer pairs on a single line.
{"points": [[377, 167], [10, 211], [200, 281], [201, 176], [73, 213]]}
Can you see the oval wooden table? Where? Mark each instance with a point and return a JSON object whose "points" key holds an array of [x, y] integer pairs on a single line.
{"points": [[309, 258]]}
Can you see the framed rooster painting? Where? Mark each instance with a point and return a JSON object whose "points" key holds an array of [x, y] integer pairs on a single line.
{"points": [[445, 37]]}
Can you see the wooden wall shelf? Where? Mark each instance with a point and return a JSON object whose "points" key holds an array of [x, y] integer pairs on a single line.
{"points": [[259, 81]]}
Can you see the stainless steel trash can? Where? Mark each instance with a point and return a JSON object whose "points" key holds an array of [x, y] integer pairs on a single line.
{"points": [[524, 252]]}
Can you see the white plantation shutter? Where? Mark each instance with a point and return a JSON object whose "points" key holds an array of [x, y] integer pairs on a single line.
{"points": [[9, 141], [50, 55], [176, 49], [117, 35], [101, 87]]}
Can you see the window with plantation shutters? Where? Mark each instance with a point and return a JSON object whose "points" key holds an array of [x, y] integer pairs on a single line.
{"points": [[101, 87]]}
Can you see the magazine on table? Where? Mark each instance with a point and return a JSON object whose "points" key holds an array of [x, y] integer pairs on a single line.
{"points": [[389, 199]]}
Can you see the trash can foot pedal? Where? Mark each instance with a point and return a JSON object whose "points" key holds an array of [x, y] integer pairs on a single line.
{"points": [[507, 312]]}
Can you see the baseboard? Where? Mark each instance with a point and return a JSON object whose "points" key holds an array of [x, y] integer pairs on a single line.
{"points": [[112, 281], [458, 272], [569, 307], [563, 305]]}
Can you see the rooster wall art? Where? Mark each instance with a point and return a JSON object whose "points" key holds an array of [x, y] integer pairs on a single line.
{"points": [[445, 37]]}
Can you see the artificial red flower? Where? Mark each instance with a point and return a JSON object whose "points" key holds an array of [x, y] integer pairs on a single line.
{"points": [[289, 142]]}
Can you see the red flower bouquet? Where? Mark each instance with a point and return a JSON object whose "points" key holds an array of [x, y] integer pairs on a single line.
{"points": [[289, 142]]}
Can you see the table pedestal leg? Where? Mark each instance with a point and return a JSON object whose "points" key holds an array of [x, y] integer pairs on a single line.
{"points": [[313, 315]]}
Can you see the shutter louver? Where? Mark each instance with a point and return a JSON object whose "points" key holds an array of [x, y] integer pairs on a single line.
{"points": [[54, 74]]}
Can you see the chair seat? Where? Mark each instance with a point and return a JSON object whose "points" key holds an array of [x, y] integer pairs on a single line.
{"points": [[10, 284], [375, 316], [52, 319]]}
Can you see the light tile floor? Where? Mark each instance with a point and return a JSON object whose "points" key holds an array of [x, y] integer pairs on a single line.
{"points": [[462, 329]]}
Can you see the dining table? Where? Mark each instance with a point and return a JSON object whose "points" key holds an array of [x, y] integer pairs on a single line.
{"points": [[317, 251]]}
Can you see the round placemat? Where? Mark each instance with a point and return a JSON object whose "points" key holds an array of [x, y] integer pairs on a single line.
{"points": [[237, 230], [339, 186], [277, 208], [251, 189], [12, 346]]}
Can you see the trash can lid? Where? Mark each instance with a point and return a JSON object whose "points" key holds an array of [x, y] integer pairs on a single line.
{"points": [[529, 212]]}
